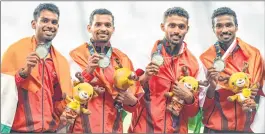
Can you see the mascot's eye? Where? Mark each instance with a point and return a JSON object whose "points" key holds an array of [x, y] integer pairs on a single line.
{"points": [[194, 88], [233, 83], [246, 78], [79, 89], [183, 80], [90, 95]]}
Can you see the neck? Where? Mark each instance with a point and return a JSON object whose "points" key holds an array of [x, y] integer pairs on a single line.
{"points": [[42, 42], [175, 47], [226, 45]]}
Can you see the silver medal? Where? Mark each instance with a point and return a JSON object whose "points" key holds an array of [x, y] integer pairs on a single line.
{"points": [[104, 62], [219, 65], [42, 51], [158, 59]]}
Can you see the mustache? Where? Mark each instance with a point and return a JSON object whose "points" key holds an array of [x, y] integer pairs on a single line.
{"points": [[175, 35], [103, 32], [226, 33]]}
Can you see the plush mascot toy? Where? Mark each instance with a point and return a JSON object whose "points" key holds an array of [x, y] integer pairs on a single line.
{"points": [[188, 82], [239, 83], [123, 79], [82, 93]]}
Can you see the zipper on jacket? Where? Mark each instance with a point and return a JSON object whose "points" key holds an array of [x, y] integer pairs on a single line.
{"points": [[165, 120], [139, 117], [235, 117], [42, 96], [211, 114], [103, 109]]}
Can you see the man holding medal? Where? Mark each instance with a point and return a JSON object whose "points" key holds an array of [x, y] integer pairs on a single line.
{"points": [[169, 56], [227, 56], [97, 60], [41, 74]]}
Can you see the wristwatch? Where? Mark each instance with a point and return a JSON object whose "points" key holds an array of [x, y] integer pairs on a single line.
{"points": [[23, 75]]}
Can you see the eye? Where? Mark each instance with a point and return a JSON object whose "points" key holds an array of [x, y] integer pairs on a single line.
{"points": [[172, 25], [108, 25], [183, 80], [45, 20], [90, 95], [219, 25], [97, 24], [233, 83], [79, 89], [229, 24], [194, 88], [181, 26], [55, 22]]}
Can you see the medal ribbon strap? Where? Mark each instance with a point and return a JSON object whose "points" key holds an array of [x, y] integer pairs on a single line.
{"points": [[227, 52], [92, 50], [159, 48], [48, 45], [218, 50], [108, 54]]}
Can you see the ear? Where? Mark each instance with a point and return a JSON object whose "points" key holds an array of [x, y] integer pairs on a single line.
{"points": [[162, 26], [89, 28], [113, 29], [236, 28], [213, 29], [117, 67], [33, 24], [95, 94], [188, 28], [76, 83], [79, 76], [249, 76], [180, 78]]}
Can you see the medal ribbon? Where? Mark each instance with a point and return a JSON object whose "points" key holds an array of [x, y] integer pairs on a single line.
{"points": [[227, 52], [92, 50]]}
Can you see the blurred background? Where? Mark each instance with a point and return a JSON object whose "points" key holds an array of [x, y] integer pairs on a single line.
{"points": [[137, 25]]}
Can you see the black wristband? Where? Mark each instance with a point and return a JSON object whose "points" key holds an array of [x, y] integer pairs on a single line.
{"points": [[23, 75]]}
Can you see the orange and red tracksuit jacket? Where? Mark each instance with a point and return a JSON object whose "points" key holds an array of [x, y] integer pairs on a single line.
{"points": [[152, 116], [38, 109], [230, 116], [104, 117]]}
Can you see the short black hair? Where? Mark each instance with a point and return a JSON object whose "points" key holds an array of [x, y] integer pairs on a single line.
{"points": [[176, 11], [45, 6], [101, 11], [224, 11]]}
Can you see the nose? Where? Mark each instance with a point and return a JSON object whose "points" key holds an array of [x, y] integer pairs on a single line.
{"points": [[103, 28], [176, 31], [49, 25], [85, 93], [224, 29]]}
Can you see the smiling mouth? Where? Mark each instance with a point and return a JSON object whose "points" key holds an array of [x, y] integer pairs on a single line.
{"points": [[102, 35], [226, 35], [84, 96], [49, 33], [240, 83]]}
